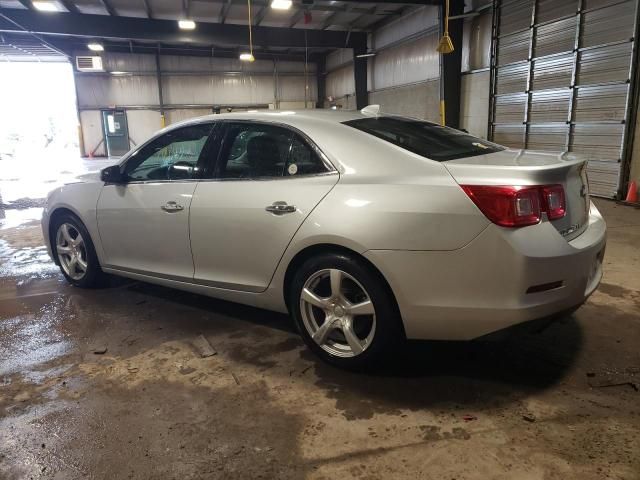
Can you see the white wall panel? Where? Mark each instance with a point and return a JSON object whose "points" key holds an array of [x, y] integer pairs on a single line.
{"points": [[293, 89], [476, 42], [142, 125], [92, 132], [180, 114], [128, 62], [411, 24], [172, 63], [341, 82], [474, 103], [418, 100], [412, 62], [339, 57], [101, 90], [218, 89]]}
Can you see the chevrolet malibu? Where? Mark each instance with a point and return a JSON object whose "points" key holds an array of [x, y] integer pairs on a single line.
{"points": [[367, 228]]}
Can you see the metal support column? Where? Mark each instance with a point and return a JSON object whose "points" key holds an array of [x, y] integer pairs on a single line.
{"points": [[451, 67], [321, 67], [160, 99], [360, 73]]}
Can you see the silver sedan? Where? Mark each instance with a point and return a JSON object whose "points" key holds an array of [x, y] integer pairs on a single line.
{"points": [[367, 228]]}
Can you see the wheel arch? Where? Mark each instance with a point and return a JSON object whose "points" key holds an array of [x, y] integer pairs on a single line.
{"points": [[53, 217], [322, 248]]}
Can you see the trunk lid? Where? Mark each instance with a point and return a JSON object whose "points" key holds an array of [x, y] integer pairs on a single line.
{"points": [[523, 167]]}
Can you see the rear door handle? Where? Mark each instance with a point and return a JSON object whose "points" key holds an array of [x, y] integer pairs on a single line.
{"points": [[280, 208], [172, 207]]}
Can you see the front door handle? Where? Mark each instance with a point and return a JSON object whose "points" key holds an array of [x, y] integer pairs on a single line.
{"points": [[172, 207], [280, 208]]}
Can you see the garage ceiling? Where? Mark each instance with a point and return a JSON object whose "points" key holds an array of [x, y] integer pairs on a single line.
{"points": [[28, 34]]}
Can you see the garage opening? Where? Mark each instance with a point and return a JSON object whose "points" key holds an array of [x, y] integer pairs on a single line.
{"points": [[38, 130], [38, 111]]}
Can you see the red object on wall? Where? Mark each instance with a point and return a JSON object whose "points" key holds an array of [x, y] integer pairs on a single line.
{"points": [[307, 17]]}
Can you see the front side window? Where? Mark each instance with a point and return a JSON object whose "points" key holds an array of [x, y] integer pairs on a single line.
{"points": [[253, 151], [427, 139], [172, 156]]}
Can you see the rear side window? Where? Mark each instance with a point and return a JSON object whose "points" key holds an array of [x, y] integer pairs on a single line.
{"points": [[254, 151], [425, 138]]}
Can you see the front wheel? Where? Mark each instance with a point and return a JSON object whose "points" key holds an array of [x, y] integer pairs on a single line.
{"points": [[75, 252], [344, 311]]}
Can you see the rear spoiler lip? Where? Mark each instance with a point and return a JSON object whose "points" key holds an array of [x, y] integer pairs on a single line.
{"points": [[565, 160]]}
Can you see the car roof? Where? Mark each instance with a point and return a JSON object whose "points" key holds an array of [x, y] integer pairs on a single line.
{"points": [[289, 117]]}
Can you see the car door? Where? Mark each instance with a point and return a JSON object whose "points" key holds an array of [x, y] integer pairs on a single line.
{"points": [[144, 221], [267, 180]]}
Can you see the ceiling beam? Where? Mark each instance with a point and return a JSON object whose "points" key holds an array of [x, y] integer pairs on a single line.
{"points": [[353, 22], [400, 2], [70, 6], [27, 4], [108, 7], [147, 8], [167, 31], [260, 15], [71, 45], [224, 11], [296, 17], [316, 7]]}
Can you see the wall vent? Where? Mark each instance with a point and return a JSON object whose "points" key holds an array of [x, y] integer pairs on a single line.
{"points": [[86, 63]]}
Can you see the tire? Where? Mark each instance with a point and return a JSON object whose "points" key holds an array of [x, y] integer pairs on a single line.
{"points": [[313, 303], [86, 271]]}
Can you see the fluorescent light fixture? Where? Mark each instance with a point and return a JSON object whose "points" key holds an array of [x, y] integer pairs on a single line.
{"points": [[95, 47], [45, 6], [247, 57], [281, 4], [186, 24], [365, 55], [118, 72]]}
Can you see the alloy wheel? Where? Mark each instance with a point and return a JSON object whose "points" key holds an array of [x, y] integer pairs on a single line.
{"points": [[72, 251], [338, 313]]}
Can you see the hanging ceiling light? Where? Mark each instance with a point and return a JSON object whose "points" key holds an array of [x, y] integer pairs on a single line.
{"points": [[281, 4], [95, 47], [45, 6], [186, 24], [248, 56]]}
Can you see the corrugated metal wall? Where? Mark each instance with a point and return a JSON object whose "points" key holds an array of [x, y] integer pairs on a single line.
{"points": [[561, 80], [404, 75], [191, 87], [476, 57]]}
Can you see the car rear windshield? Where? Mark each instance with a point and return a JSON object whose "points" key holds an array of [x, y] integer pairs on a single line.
{"points": [[424, 138]]}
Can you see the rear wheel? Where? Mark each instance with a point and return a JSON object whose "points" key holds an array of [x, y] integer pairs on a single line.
{"points": [[75, 252], [344, 311]]}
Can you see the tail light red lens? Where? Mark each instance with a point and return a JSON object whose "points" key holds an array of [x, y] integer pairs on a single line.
{"points": [[554, 202], [517, 206]]}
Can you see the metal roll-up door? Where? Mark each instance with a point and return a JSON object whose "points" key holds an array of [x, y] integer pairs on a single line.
{"points": [[561, 80]]}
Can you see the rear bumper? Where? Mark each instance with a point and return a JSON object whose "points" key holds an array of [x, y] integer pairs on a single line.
{"points": [[502, 278]]}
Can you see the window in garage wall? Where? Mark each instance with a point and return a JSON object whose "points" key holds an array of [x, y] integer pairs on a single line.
{"points": [[561, 80]]}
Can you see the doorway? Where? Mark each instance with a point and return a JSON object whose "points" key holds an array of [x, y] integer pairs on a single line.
{"points": [[116, 132]]}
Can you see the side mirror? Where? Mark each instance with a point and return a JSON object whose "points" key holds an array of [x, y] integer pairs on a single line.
{"points": [[112, 174]]}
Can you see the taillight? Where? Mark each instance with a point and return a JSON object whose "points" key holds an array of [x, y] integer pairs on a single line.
{"points": [[517, 206], [554, 203]]}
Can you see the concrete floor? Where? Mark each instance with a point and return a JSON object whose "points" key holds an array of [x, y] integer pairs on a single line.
{"points": [[560, 404]]}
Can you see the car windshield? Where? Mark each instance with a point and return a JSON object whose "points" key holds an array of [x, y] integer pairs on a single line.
{"points": [[425, 138]]}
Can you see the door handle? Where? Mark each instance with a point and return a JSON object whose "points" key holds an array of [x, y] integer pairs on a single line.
{"points": [[280, 208], [172, 207]]}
